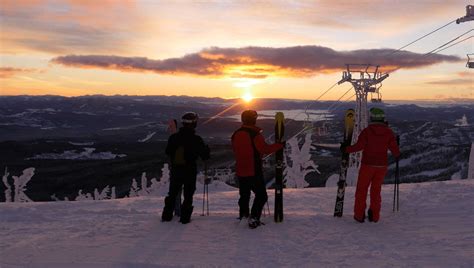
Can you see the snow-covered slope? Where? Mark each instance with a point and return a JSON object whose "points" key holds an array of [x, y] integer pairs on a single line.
{"points": [[433, 229]]}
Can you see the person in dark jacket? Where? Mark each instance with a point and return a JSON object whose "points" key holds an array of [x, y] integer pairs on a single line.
{"points": [[374, 142], [249, 146], [183, 149]]}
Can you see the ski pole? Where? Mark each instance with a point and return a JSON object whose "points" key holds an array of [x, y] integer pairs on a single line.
{"points": [[396, 188], [396, 182], [207, 198], [205, 192]]}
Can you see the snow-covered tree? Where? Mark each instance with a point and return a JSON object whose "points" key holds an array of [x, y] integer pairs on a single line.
{"points": [[143, 191], [104, 194], [16, 192], [113, 195], [134, 189], [19, 184], [83, 196], [165, 174], [298, 162], [8, 189]]}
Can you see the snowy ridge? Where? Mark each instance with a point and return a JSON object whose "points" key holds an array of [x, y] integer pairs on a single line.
{"points": [[87, 154], [429, 231], [148, 137]]}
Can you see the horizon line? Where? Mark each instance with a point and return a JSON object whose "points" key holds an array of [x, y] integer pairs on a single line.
{"points": [[216, 97]]}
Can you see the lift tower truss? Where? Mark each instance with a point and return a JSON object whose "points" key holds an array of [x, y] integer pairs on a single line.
{"points": [[365, 78]]}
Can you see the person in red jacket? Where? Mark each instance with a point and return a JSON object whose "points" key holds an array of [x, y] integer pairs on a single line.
{"points": [[249, 146], [373, 141]]}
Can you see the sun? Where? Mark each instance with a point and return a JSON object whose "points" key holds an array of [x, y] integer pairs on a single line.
{"points": [[247, 97]]}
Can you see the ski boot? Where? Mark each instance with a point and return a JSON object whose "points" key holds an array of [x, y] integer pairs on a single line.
{"points": [[359, 220], [254, 223], [186, 214], [370, 215]]}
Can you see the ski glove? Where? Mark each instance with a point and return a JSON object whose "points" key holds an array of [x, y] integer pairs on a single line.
{"points": [[343, 147], [283, 143]]}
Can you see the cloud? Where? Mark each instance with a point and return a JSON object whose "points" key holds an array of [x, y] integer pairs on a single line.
{"points": [[258, 62], [126, 26], [460, 79], [454, 82], [7, 72], [65, 26]]}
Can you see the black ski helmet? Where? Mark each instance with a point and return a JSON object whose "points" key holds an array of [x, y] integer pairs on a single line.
{"points": [[189, 119], [249, 117]]}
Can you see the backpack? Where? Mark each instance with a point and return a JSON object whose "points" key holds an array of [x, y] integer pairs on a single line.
{"points": [[179, 158]]}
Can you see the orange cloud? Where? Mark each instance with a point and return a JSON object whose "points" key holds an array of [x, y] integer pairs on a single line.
{"points": [[7, 72], [258, 62], [457, 79]]}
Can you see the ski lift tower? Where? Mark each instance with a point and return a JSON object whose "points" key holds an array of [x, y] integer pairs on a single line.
{"points": [[365, 78]]}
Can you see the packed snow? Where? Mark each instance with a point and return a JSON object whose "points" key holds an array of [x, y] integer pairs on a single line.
{"points": [[432, 229]]}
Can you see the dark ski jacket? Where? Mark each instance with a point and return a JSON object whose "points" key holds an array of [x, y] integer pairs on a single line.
{"points": [[374, 141], [249, 146], [189, 146]]}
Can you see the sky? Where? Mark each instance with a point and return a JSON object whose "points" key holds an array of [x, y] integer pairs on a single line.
{"points": [[267, 49]]}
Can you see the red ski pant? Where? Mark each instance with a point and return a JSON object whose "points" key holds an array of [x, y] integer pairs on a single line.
{"points": [[369, 176]]}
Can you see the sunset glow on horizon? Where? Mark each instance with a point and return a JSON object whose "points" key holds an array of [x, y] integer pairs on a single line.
{"points": [[277, 49]]}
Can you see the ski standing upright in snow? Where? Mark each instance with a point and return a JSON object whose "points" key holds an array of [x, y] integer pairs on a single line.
{"points": [[173, 128], [341, 184], [279, 133]]}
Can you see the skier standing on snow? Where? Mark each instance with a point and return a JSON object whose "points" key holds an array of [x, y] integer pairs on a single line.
{"points": [[249, 146], [183, 149], [374, 141]]}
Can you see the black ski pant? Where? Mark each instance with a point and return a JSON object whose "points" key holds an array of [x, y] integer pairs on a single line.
{"points": [[178, 179], [255, 184]]}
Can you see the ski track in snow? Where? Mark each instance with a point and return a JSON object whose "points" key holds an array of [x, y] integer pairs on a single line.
{"points": [[432, 229]]}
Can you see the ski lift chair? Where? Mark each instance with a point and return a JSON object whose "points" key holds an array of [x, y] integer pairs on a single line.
{"points": [[469, 15], [377, 98], [470, 61]]}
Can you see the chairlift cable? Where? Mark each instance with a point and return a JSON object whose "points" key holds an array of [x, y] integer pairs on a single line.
{"points": [[418, 39], [445, 44], [460, 41]]}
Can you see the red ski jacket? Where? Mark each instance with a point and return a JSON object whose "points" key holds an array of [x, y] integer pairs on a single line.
{"points": [[374, 141], [249, 147]]}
